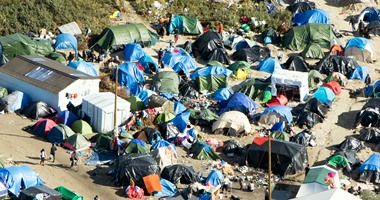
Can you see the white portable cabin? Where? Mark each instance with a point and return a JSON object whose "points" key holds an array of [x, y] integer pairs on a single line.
{"points": [[100, 108], [43, 79], [294, 78]]}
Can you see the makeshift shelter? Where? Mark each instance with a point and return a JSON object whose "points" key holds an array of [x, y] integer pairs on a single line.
{"points": [[276, 114], [251, 55], [58, 57], [222, 95], [16, 178], [269, 65], [179, 173], [280, 135], [298, 37], [234, 67], [38, 192], [181, 121], [173, 56], [124, 34], [335, 193], [144, 95], [100, 109], [350, 143], [253, 87], [373, 28], [239, 102], [300, 7], [313, 51], [296, 63], [135, 167], [68, 194], [42, 127], [66, 41], [324, 95], [360, 49], [166, 82], [15, 101], [202, 117], [305, 113], [206, 44], [350, 155], [65, 117], [130, 76], [155, 101], [370, 135], [271, 36], [36, 110], [362, 74], [149, 64], [311, 17], [283, 79], [76, 142], [215, 178], [19, 44], [370, 169], [232, 146], [82, 127], [315, 79], [341, 64], [288, 158], [137, 146], [369, 14], [148, 135], [59, 133], [3, 191], [164, 153], [203, 151], [237, 42], [185, 25], [314, 181], [336, 50], [211, 78], [369, 116], [219, 54], [235, 120], [133, 52], [168, 189], [168, 130], [338, 162], [85, 67], [101, 158]]}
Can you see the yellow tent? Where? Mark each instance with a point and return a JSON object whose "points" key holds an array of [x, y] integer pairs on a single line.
{"points": [[115, 15]]}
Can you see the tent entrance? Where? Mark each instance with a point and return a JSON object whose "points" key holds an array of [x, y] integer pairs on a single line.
{"points": [[291, 92]]}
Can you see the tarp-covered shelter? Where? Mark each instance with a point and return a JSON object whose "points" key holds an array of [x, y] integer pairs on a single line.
{"points": [[206, 44], [350, 143], [360, 49], [311, 17], [15, 101], [313, 51], [137, 146], [271, 36], [370, 135], [148, 135], [124, 34], [173, 56], [239, 102], [19, 44], [66, 41], [305, 113], [16, 178], [76, 142], [85, 67], [251, 55], [341, 64], [59, 133], [296, 63], [65, 117], [297, 38], [135, 167], [179, 173], [203, 151], [131, 76], [166, 82], [288, 158], [38, 192], [301, 7], [369, 171], [133, 52], [276, 114], [36, 110], [368, 116], [185, 25], [286, 81], [202, 117], [235, 120], [237, 42], [373, 28], [164, 153], [211, 78], [369, 14], [149, 64]]}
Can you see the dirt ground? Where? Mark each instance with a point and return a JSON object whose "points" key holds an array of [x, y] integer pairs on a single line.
{"points": [[21, 148]]}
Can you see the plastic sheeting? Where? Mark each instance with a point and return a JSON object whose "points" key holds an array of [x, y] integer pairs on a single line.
{"points": [[251, 55], [15, 101], [133, 52], [311, 17], [215, 178], [333, 63], [181, 121], [222, 94], [212, 70], [172, 56], [37, 110], [296, 63], [85, 67], [370, 169], [284, 111], [168, 189], [351, 143], [301, 7], [179, 173], [100, 158], [129, 75], [371, 135], [66, 41]]}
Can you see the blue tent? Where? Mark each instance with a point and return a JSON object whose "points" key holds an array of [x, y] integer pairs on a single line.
{"points": [[15, 101], [243, 44], [181, 121], [370, 169], [185, 25], [239, 102], [369, 14], [215, 177], [144, 95], [222, 94], [211, 70], [311, 17], [284, 111], [66, 41], [269, 65], [360, 73], [168, 189], [358, 42], [133, 52], [65, 117], [172, 56], [16, 178], [85, 67], [324, 95], [181, 68], [162, 143], [148, 64], [130, 75], [179, 108]]}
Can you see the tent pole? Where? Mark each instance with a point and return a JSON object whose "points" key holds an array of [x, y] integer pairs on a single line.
{"points": [[115, 104], [269, 167]]}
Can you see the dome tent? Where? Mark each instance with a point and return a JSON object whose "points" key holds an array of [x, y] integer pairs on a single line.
{"points": [[360, 49]]}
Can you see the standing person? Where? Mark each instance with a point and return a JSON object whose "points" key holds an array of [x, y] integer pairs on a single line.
{"points": [[74, 158], [52, 152], [42, 156], [307, 169], [176, 35], [160, 55], [220, 29], [361, 28], [352, 22], [96, 197]]}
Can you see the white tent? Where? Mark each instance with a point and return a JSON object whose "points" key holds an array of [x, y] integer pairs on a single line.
{"points": [[332, 194], [235, 120], [361, 49], [295, 78]]}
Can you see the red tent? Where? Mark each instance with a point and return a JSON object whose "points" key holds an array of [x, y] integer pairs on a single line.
{"points": [[334, 86], [43, 126]]}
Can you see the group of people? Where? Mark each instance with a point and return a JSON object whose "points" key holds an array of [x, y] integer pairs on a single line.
{"points": [[53, 149]]}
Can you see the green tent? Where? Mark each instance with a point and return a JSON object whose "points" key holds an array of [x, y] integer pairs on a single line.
{"points": [[203, 117], [238, 65], [77, 142], [280, 135], [253, 88], [167, 82], [203, 151], [58, 57], [136, 103], [215, 63], [82, 127], [3, 92], [103, 140], [337, 161], [211, 83], [2, 163], [312, 51], [315, 79], [184, 24], [19, 44], [298, 37], [68, 194], [164, 117], [136, 147], [124, 34]]}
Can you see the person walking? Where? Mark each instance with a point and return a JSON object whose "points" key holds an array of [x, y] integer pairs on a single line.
{"points": [[352, 22], [74, 159], [42, 156], [52, 152], [176, 35]]}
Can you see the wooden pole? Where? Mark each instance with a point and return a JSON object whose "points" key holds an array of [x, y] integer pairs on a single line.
{"points": [[269, 168], [115, 106]]}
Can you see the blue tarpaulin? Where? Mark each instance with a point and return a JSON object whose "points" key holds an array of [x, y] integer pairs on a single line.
{"points": [[311, 17], [162, 143], [172, 56], [179, 108], [66, 41], [371, 164], [284, 111], [168, 189], [85, 67], [65, 117], [239, 102], [324, 95], [181, 121], [133, 52], [181, 68], [358, 42], [360, 73], [215, 178], [211, 70], [222, 94], [148, 64], [269, 65], [144, 96], [100, 158], [130, 75]]}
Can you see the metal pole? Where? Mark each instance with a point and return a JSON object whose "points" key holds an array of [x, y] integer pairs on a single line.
{"points": [[115, 108], [269, 167]]}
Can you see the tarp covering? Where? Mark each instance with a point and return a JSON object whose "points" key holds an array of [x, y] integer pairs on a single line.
{"points": [[100, 158], [211, 70], [371, 135], [166, 82], [134, 167], [85, 67], [149, 64], [206, 44], [237, 42], [222, 94], [124, 34], [181, 121], [36, 110], [301, 7], [15, 101], [16, 178], [36, 192], [220, 55], [133, 52], [202, 117], [203, 151], [254, 87], [297, 38], [287, 157], [350, 143], [130, 75], [18, 44], [65, 117], [179, 173], [311, 17], [137, 146], [59, 133], [215, 178], [68, 194], [369, 171], [341, 64], [251, 55], [235, 120], [369, 14], [66, 41], [360, 49], [211, 78], [296, 63], [173, 56], [184, 24]]}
